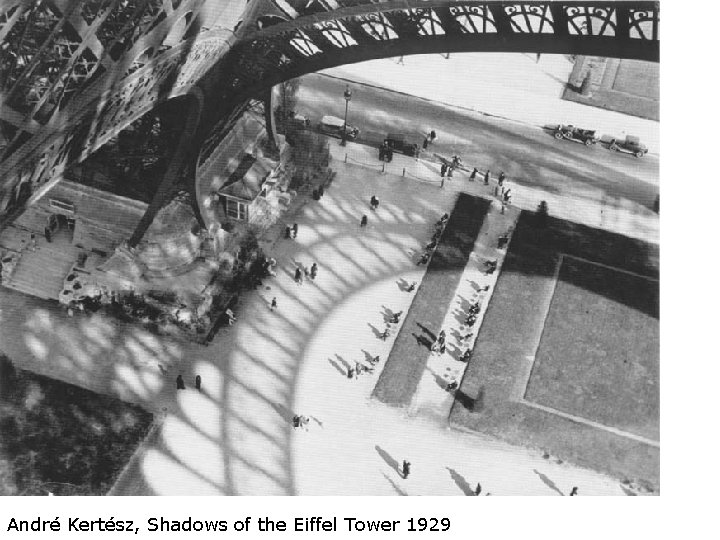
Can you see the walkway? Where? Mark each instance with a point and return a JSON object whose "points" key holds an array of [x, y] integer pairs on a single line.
{"points": [[235, 437]]}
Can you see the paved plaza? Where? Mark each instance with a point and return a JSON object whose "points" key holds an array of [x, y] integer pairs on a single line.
{"points": [[236, 435]]}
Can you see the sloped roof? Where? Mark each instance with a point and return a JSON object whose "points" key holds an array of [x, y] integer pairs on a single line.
{"points": [[248, 186]]}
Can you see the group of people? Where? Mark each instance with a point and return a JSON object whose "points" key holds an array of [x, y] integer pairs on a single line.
{"points": [[430, 247], [291, 232], [385, 153], [300, 421], [302, 270], [180, 382]]}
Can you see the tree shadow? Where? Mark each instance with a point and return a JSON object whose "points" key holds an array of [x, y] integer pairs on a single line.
{"points": [[378, 333]]}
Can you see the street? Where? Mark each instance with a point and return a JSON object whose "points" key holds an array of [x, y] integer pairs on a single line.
{"points": [[528, 154]]}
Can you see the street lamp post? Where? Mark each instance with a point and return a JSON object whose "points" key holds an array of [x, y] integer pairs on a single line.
{"points": [[348, 96]]}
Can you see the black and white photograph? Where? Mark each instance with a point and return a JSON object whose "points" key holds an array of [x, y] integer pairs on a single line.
{"points": [[330, 247]]}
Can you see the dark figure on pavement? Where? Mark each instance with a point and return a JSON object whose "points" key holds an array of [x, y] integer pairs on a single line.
{"points": [[288, 232], [473, 174], [363, 221], [486, 181], [273, 304], [451, 386], [425, 144], [395, 318], [298, 275], [351, 373], [198, 382], [411, 288], [506, 196], [466, 355], [443, 169], [501, 178], [433, 136], [374, 202], [313, 270], [375, 360], [296, 421], [574, 491], [424, 259], [405, 468], [321, 191], [444, 217], [385, 334], [48, 236], [180, 383], [230, 316], [471, 320], [295, 230], [441, 336], [478, 489]]}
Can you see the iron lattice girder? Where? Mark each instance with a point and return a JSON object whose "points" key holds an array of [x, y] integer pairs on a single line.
{"points": [[244, 65], [347, 35]]}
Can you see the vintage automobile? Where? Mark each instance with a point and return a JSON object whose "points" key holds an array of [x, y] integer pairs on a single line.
{"points": [[572, 133], [332, 125], [629, 145], [399, 143]]}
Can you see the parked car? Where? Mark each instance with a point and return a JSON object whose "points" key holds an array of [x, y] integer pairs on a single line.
{"points": [[629, 145], [572, 133], [399, 143], [332, 125]]}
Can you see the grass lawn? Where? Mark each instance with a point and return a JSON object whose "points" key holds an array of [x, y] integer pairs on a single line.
{"points": [[402, 373], [59, 438], [599, 348], [581, 327]]}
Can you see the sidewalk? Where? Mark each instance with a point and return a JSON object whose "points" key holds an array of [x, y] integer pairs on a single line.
{"points": [[580, 203], [499, 84]]}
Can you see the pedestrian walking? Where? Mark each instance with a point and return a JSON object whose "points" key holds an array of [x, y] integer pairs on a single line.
{"points": [[180, 383], [478, 489], [385, 334], [273, 303], [230, 316], [288, 232], [363, 221], [48, 236], [350, 373], [574, 491], [405, 468], [433, 136], [486, 181], [294, 230], [443, 169], [501, 178], [425, 144], [313, 270], [473, 174], [198, 382], [296, 421], [441, 336], [395, 317], [298, 275], [411, 288]]}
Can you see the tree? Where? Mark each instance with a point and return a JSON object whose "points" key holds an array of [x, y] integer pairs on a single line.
{"points": [[287, 101], [310, 152]]}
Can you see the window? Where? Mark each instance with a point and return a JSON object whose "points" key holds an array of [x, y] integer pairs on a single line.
{"points": [[235, 210]]}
